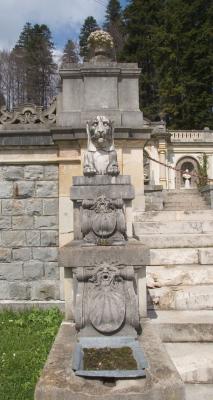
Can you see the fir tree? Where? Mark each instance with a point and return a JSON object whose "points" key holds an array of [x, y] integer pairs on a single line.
{"points": [[70, 54], [90, 25], [113, 24]]}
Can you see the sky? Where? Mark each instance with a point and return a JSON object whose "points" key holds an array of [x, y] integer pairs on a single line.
{"points": [[63, 17]]}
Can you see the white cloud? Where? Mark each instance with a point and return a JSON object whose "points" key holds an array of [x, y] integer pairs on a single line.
{"points": [[57, 14]]}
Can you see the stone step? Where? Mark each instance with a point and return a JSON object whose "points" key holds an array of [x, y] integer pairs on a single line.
{"points": [[198, 391], [198, 297], [174, 227], [173, 256], [173, 241], [161, 276], [185, 208], [194, 361], [183, 326], [191, 215], [181, 191]]}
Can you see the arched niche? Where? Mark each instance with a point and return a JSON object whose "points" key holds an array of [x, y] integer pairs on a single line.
{"points": [[190, 164]]}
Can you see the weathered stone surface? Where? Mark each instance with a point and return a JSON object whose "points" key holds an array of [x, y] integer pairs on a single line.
{"points": [[125, 192], [101, 180], [131, 254], [46, 222], [18, 291], [182, 298], [11, 271], [58, 381], [4, 290], [177, 241], [33, 238], [45, 290], [194, 361], [206, 256], [33, 270], [46, 189], [23, 206], [160, 276], [5, 254], [22, 254], [34, 172], [51, 172], [14, 238], [198, 391], [22, 222], [51, 270], [45, 253], [173, 256], [5, 222], [6, 189], [49, 238], [23, 189], [50, 206], [13, 172]]}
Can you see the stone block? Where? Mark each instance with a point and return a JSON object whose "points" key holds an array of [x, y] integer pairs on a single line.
{"points": [[22, 254], [11, 271], [33, 238], [13, 172], [33, 270], [6, 189], [34, 172], [206, 256], [183, 298], [4, 290], [173, 256], [49, 238], [51, 172], [23, 206], [46, 222], [51, 270], [47, 189], [19, 291], [45, 290], [5, 222], [50, 206], [23, 189], [5, 255], [45, 253], [13, 238], [22, 222]]}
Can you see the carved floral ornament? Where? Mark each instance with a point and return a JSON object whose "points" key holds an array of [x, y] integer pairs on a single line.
{"points": [[29, 114]]}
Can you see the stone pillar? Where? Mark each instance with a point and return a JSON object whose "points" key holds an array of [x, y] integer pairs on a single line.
{"points": [[162, 158]]}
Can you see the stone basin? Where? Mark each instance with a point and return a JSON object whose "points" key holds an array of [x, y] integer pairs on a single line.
{"points": [[109, 342]]}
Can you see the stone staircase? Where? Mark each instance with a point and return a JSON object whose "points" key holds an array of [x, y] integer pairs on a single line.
{"points": [[180, 285], [184, 199]]}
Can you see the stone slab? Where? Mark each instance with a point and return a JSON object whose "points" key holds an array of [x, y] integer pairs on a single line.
{"points": [[199, 391], [183, 326], [59, 382], [125, 192], [101, 180], [174, 241], [194, 361], [20, 305], [88, 256], [174, 256]]}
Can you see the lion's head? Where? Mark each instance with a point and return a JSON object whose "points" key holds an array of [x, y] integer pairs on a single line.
{"points": [[100, 134]]}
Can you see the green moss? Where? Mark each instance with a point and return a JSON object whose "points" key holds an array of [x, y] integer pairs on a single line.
{"points": [[109, 359]]}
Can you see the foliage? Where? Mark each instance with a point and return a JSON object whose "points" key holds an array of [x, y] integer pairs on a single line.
{"points": [[34, 64], [70, 54], [203, 172], [114, 25], [90, 25], [172, 42], [100, 38], [26, 339]]}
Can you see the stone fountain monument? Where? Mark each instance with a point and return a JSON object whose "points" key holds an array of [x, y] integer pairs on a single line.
{"points": [[105, 296]]}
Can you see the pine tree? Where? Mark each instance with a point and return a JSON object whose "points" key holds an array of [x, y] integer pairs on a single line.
{"points": [[33, 52], [90, 25], [141, 22], [113, 24], [70, 54]]}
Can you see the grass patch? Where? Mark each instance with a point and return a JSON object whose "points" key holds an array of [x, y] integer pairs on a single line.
{"points": [[25, 341]]}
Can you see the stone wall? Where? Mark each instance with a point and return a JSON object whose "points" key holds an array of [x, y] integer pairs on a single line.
{"points": [[29, 232]]}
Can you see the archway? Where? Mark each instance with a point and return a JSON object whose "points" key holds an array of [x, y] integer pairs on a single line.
{"points": [[190, 164]]}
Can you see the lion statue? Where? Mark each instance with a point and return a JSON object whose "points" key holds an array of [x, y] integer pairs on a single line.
{"points": [[100, 157]]}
